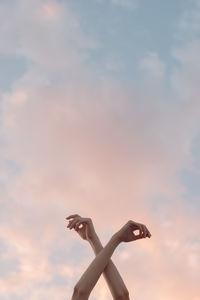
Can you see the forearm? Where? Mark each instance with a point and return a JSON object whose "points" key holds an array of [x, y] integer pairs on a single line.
{"points": [[93, 272], [111, 274]]}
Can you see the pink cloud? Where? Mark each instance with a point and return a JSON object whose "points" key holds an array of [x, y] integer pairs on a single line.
{"points": [[101, 149], [91, 156]]}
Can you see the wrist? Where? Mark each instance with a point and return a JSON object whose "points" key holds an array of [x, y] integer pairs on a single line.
{"points": [[93, 237], [95, 243], [116, 238]]}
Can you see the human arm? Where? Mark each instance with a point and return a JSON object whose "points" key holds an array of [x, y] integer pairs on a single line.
{"points": [[110, 273], [90, 277], [88, 280], [112, 276]]}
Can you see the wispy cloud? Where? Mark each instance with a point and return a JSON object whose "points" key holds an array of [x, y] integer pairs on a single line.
{"points": [[126, 3], [113, 151]]}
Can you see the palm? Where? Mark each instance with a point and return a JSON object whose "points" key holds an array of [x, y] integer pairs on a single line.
{"points": [[83, 226], [83, 232], [127, 231], [129, 236]]}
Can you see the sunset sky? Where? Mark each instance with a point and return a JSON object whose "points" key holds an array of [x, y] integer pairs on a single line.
{"points": [[100, 116]]}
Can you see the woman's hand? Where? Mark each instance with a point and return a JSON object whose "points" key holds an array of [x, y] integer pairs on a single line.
{"points": [[83, 226], [126, 233]]}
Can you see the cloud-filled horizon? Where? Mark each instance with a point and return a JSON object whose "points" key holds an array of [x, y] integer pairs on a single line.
{"points": [[99, 110]]}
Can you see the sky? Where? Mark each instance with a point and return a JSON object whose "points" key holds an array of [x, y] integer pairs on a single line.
{"points": [[99, 115]]}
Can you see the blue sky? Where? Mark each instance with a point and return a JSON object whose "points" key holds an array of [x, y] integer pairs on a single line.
{"points": [[99, 108], [126, 35], [123, 36]]}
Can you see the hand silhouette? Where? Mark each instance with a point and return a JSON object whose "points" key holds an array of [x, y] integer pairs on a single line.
{"points": [[126, 233], [83, 226]]}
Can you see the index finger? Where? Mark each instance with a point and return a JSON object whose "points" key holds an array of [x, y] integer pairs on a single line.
{"points": [[72, 216], [148, 232]]}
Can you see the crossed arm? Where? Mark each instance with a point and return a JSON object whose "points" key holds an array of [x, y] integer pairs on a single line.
{"points": [[102, 263]]}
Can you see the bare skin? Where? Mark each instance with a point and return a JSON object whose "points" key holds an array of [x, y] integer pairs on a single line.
{"points": [[102, 263], [111, 274]]}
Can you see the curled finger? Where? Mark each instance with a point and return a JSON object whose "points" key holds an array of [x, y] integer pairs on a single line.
{"points": [[73, 223], [76, 227], [72, 216], [144, 231]]}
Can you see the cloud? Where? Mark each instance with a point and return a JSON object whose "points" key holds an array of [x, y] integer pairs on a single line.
{"points": [[89, 150], [132, 4], [44, 32], [153, 65], [185, 77], [189, 22], [127, 4], [102, 148]]}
